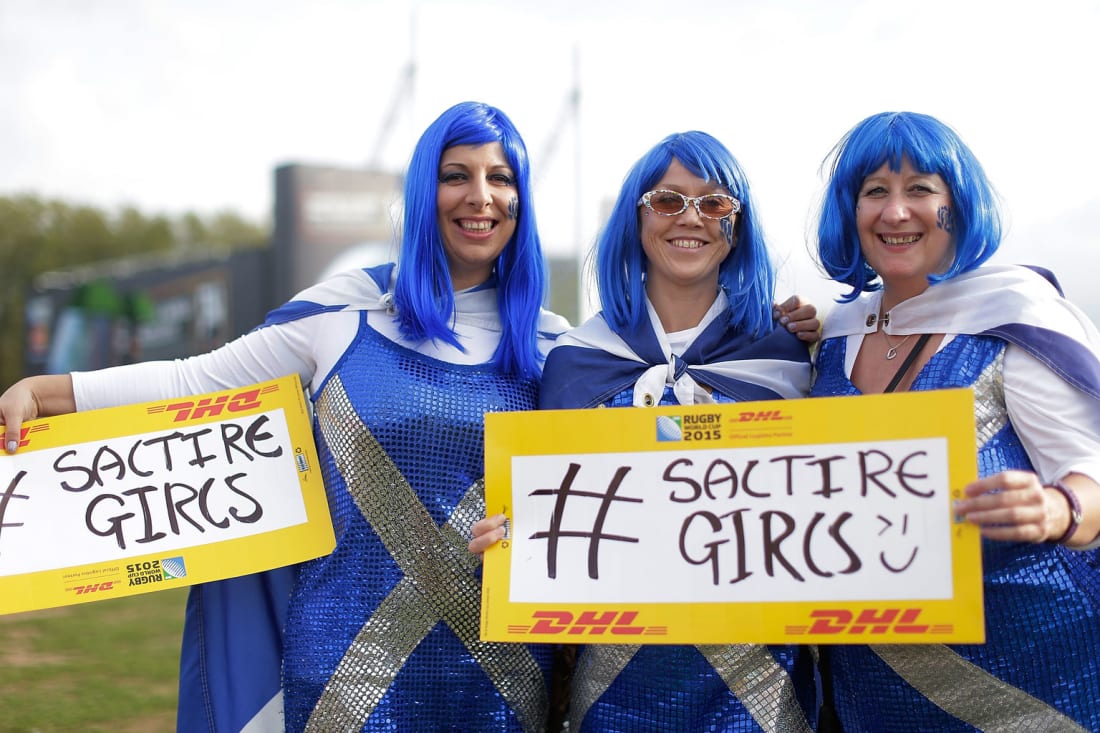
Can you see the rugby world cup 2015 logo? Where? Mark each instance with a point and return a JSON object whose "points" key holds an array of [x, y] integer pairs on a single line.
{"points": [[669, 428], [156, 571], [173, 568]]}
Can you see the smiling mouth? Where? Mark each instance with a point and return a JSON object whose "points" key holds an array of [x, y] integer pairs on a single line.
{"points": [[687, 243], [476, 226], [906, 239]]}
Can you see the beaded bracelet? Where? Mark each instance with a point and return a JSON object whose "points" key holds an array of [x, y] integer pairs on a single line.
{"points": [[1075, 515]]}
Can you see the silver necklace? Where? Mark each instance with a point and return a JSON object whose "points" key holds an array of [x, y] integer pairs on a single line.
{"points": [[893, 350]]}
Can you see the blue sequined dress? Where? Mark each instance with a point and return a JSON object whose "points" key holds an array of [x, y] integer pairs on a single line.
{"points": [[383, 633], [1039, 669], [708, 688]]}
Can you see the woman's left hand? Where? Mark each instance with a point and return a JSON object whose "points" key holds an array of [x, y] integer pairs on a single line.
{"points": [[1014, 506], [487, 532], [799, 318]]}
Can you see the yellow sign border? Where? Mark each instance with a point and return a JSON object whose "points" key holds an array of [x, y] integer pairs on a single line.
{"points": [[214, 561], [941, 413]]}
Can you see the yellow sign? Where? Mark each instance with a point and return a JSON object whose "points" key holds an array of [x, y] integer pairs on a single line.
{"points": [[823, 520], [109, 503]]}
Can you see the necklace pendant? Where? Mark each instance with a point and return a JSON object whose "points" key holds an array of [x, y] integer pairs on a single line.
{"points": [[891, 353]]}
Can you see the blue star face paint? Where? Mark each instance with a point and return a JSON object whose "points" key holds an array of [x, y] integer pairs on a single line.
{"points": [[727, 231], [945, 219]]}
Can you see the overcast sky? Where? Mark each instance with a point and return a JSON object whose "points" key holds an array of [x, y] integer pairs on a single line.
{"points": [[190, 104]]}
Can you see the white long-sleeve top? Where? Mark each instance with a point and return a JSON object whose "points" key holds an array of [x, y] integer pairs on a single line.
{"points": [[309, 346]]}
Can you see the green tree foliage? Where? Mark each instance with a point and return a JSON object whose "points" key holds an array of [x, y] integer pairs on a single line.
{"points": [[39, 235], [224, 229], [228, 229]]}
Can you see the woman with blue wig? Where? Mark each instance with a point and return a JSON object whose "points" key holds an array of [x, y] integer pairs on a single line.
{"points": [[908, 223], [402, 363], [686, 284]]}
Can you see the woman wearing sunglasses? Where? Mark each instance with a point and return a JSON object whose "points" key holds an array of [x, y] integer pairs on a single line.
{"points": [[908, 221], [686, 285]]}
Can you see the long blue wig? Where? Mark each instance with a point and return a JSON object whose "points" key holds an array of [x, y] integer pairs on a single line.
{"points": [[424, 293], [930, 146], [747, 274]]}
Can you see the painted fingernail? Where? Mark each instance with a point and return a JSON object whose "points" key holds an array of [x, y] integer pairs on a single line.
{"points": [[12, 445]]}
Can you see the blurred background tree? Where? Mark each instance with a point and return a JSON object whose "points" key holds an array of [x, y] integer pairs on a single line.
{"points": [[41, 235]]}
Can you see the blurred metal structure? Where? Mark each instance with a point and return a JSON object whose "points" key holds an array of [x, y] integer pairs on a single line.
{"points": [[322, 211]]}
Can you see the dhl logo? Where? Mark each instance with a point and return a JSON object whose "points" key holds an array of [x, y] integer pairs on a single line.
{"points": [[841, 621], [214, 406], [93, 588], [761, 416], [587, 622], [25, 433]]}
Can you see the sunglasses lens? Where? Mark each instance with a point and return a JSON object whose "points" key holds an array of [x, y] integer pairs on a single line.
{"points": [[667, 202], [716, 207]]}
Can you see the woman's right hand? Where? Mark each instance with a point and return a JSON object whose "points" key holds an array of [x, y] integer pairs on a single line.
{"points": [[31, 398], [487, 532]]}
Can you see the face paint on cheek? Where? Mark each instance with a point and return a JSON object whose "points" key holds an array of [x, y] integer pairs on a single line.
{"points": [[513, 207], [945, 220], [727, 230]]}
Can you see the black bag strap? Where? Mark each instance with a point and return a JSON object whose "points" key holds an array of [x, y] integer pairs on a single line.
{"points": [[908, 362], [827, 719]]}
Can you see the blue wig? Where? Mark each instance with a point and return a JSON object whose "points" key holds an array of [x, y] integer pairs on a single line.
{"points": [[424, 293], [930, 147], [747, 274]]}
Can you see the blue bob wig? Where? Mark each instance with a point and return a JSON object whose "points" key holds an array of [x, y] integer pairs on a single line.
{"points": [[747, 274], [930, 146], [424, 293]]}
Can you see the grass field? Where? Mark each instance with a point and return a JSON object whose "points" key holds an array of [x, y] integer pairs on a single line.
{"points": [[108, 666]]}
